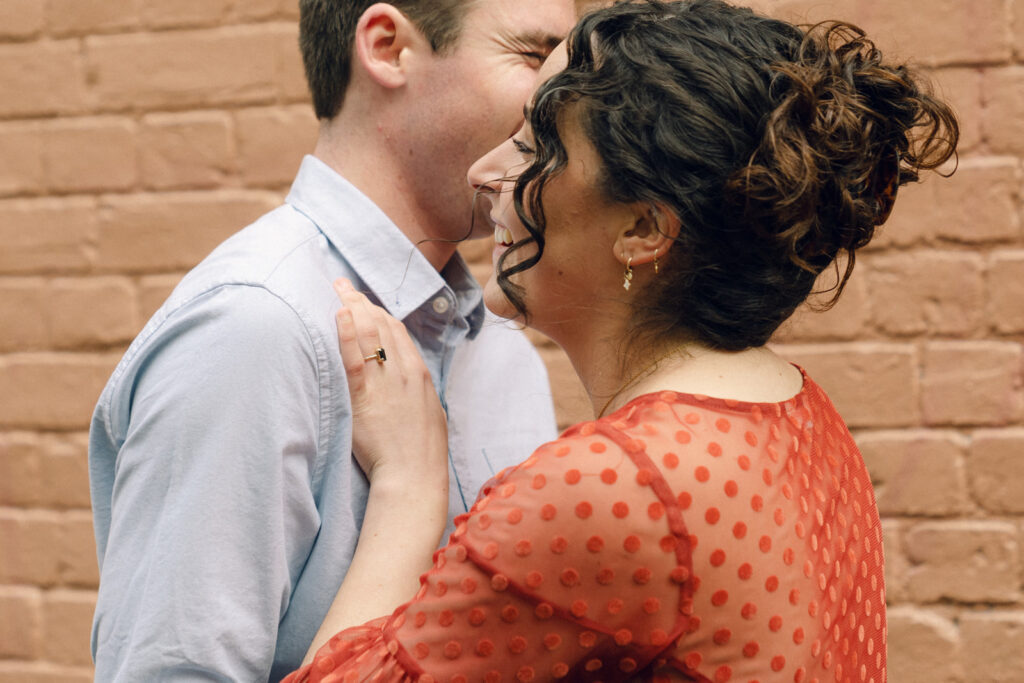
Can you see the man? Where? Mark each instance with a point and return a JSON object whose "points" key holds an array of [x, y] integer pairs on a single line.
{"points": [[226, 501]]}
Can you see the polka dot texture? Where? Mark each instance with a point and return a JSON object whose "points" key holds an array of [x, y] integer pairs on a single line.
{"points": [[681, 538]]}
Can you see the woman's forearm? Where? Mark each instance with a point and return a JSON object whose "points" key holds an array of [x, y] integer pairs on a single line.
{"points": [[401, 530]]}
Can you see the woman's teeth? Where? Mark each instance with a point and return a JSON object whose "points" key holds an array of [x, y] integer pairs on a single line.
{"points": [[503, 236]]}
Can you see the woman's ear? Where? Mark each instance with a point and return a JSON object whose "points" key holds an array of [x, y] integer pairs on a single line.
{"points": [[384, 36], [654, 231]]}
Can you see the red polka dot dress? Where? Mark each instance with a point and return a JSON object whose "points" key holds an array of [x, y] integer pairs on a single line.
{"points": [[682, 538]]}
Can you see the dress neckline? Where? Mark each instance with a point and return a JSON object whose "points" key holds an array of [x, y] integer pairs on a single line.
{"points": [[703, 400]]}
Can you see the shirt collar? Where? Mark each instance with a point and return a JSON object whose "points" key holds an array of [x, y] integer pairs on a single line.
{"points": [[383, 258]]}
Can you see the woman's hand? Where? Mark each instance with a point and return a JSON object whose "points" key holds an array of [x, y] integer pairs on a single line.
{"points": [[400, 438], [399, 430]]}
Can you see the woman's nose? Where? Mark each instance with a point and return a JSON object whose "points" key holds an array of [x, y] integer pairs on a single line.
{"points": [[486, 173]]}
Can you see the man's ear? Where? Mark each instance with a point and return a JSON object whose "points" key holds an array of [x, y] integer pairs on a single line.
{"points": [[654, 231], [383, 39]]}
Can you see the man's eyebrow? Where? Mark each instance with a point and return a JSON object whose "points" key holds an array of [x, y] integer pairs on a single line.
{"points": [[540, 39]]}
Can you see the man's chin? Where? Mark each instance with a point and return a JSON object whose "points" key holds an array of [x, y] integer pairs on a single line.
{"points": [[482, 225]]}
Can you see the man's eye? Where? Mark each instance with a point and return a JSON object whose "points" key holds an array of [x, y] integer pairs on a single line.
{"points": [[536, 58]]}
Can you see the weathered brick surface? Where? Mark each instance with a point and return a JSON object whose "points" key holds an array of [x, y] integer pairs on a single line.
{"points": [[260, 10], [57, 548], [34, 535], [67, 613], [161, 232], [940, 293], [91, 155], [72, 17], [184, 13], [872, 385], [996, 467], [43, 470], [25, 66], [21, 159], [1003, 115], [1006, 292], [917, 473], [174, 70], [23, 310], [962, 88], [47, 235], [271, 142], [65, 313], [136, 134], [1018, 29], [51, 391], [923, 646], [43, 672], [971, 383], [895, 561], [21, 19], [21, 628], [898, 28], [848, 320], [963, 561], [993, 645], [185, 151], [979, 204]]}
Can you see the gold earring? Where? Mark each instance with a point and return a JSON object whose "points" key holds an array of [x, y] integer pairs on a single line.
{"points": [[656, 261], [629, 274]]}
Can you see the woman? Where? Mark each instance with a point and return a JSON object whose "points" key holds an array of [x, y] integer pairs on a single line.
{"points": [[681, 184]]}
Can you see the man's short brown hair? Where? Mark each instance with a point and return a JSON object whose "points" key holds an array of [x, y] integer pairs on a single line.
{"points": [[327, 31]]}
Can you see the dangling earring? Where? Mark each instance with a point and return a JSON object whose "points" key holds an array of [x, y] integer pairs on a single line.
{"points": [[629, 274], [656, 261]]}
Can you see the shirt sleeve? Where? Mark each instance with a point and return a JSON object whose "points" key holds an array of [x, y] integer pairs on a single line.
{"points": [[212, 513], [568, 567]]}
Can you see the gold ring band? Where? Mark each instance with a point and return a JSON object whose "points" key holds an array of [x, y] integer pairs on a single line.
{"points": [[377, 355]]}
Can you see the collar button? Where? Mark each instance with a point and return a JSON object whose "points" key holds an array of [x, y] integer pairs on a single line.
{"points": [[441, 305]]}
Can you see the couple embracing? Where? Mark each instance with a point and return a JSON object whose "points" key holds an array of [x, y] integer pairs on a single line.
{"points": [[272, 469]]}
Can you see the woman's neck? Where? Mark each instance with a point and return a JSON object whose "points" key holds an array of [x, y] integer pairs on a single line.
{"points": [[753, 375]]}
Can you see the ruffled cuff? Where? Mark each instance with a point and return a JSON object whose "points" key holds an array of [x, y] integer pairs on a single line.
{"points": [[356, 654]]}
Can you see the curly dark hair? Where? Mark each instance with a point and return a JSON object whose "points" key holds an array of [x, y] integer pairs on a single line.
{"points": [[777, 147]]}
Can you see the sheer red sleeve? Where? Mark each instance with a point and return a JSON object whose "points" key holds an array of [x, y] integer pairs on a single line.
{"points": [[573, 565]]}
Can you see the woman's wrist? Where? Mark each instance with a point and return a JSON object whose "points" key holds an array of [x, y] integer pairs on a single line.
{"points": [[419, 499]]}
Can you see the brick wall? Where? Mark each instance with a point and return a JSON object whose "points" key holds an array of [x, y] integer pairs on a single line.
{"points": [[137, 134]]}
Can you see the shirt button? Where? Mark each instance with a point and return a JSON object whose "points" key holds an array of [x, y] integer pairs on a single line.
{"points": [[441, 305]]}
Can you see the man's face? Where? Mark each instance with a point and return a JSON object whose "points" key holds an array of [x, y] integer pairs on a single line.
{"points": [[471, 99]]}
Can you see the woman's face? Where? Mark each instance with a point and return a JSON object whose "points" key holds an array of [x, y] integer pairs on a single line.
{"points": [[578, 263]]}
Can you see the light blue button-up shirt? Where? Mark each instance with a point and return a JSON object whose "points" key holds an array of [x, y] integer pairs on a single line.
{"points": [[226, 501]]}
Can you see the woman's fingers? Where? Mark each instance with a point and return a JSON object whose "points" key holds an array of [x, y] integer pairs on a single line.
{"points": [[351, 353], [406, 352], [385, 336], [389, 398], [366, 323]]}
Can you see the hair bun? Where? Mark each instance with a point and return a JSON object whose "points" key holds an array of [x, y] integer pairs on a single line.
{"points": [[846, 131]]}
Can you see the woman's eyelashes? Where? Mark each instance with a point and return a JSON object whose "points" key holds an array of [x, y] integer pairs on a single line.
{"points": [[522, 147]]}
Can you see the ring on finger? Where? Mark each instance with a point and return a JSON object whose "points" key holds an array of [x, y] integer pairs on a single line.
{"points": [[378, 355]]}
